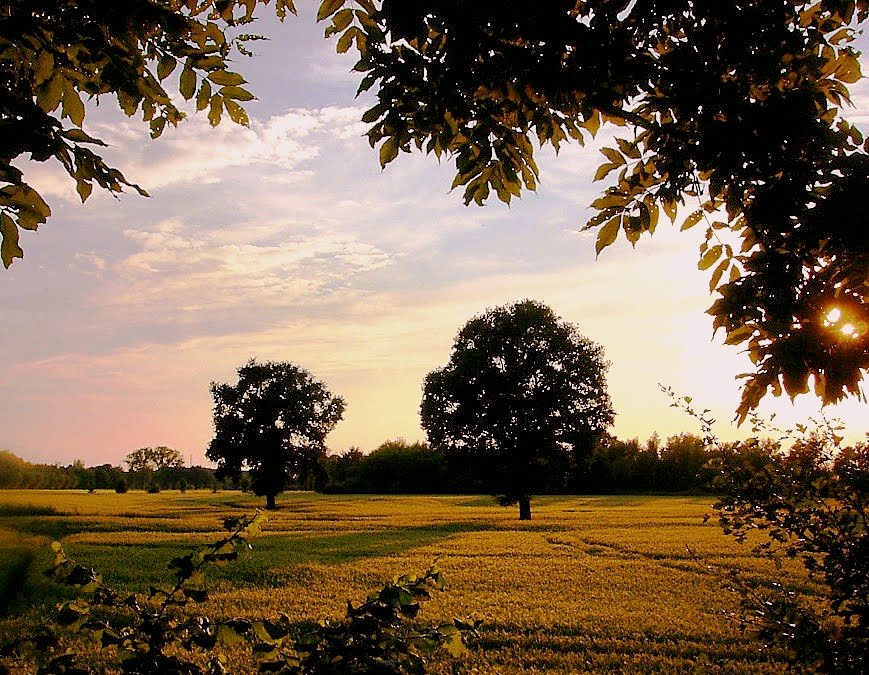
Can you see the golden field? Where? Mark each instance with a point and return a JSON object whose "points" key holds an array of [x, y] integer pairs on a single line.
{"points": [[591, 584]]}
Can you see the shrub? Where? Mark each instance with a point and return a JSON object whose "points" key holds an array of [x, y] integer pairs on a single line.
{"points": [[121, 486], [152, 635]]}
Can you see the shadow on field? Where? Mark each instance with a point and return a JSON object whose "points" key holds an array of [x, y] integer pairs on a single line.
{"points": [[268, 564]]}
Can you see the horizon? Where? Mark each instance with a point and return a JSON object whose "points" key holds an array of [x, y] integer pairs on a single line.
{"points": [[285, 241]]}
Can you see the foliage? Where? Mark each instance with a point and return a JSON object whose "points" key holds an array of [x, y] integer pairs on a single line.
{"points": [[522, 391], [730, 110], [151, 633], [153, 459], [274, 420], [810, 504], [54, 56]]}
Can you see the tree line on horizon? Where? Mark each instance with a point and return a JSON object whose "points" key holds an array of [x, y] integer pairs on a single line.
{"points": [[683, 464]]}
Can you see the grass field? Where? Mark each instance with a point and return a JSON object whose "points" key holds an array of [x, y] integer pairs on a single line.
{"points": [[591, 584]]}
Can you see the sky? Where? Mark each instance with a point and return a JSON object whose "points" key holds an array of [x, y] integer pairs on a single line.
{"points": [[285, 241]]}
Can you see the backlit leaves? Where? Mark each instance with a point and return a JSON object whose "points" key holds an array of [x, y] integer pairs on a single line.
{"points": [[132, 61], [734, 109]]}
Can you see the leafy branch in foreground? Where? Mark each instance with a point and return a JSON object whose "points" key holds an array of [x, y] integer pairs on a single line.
{"points": [[810, 504], [153, 634], [56, 55]]}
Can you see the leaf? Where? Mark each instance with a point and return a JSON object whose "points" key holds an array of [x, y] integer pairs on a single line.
{"points": [[187, 83], [226, 78], [215, 110], [607, 234], [709, 258], [43, 67], [49, 95], [227, 636], [342, 19], [236, 93], [328, 8], [739, 335], [603, 170], [73, 108], [388, 151], [236, 113], [613, 155], [165, 66], [203, 96], [692, 220], [9, 249]]}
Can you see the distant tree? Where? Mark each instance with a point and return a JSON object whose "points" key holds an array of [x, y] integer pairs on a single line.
{"points": [[522, 391], [153, 459], [274, 421]]}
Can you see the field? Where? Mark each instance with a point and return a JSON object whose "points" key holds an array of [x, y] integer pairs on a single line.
{"points": [[591, 584]]}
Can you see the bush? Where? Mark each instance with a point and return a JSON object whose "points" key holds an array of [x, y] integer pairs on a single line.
{"points": [[121, 486], [151, 634], [809, 504]]}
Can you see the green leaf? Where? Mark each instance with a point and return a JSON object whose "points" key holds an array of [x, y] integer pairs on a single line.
{"points": [[9, 249], [187, 83], [328, 8], [607, 234]]}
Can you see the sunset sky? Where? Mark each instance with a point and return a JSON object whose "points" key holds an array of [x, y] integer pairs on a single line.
{"points": [[286, 241]]}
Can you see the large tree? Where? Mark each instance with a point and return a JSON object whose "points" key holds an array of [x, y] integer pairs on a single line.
{"points": [[154, 459], [523, 391], [274, 421], [728, 110]]}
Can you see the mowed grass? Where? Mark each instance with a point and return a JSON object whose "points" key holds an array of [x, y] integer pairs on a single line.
{"points": [[591, 584]]}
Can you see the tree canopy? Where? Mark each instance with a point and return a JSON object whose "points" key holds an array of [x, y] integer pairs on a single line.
{"points": [[522, 392], [728, 117], [154, 459], [274, 421], [57, 54]]}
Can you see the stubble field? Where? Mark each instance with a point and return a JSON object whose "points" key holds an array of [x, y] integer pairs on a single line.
{"points": [[591, 584]]}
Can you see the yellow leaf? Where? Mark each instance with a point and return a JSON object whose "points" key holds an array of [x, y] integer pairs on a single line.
{"points": [[72, 105], [388, 151], [9, 248], [603, 170], [613, 155], [328, 8], [236, 113], [187, 83], [738, 335], [607, 234], [709, 258], [692, 220]]}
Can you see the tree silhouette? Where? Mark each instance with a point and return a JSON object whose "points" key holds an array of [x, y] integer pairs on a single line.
{"points": [[274, 421], [729, 110], [522, 391]]}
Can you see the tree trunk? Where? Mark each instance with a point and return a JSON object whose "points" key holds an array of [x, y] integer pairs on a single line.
{"points": [[524, 507], [270, 503]]}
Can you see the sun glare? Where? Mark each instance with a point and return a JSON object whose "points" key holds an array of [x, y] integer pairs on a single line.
{"points": [[836, 321]]}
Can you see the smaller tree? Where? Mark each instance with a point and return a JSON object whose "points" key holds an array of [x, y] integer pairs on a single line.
{"points": [[523, 393], [154, 459], [274, 421]]}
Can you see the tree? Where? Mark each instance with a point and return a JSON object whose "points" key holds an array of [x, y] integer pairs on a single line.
{"points": [[274, 420], [153, 459], [522, 390], [728, 109], [55, 52]]}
